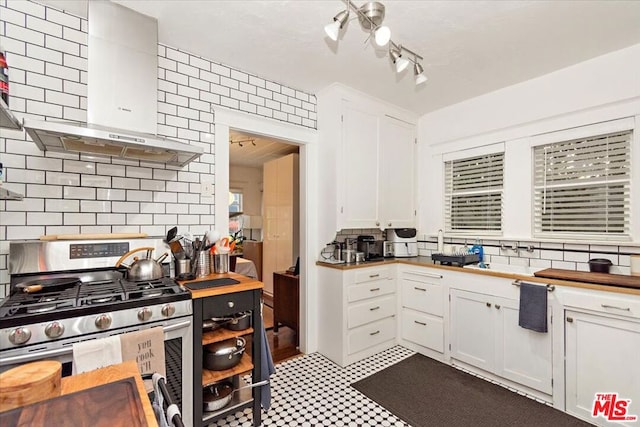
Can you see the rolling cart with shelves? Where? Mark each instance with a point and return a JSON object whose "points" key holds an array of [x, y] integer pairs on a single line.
{"points": [[219, 302]]}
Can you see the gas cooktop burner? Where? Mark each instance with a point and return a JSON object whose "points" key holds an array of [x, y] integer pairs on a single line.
{"points": [[41, 309], [99, 300]]}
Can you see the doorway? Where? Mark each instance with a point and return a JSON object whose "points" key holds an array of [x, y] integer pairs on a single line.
{"points": [[229, 121]]}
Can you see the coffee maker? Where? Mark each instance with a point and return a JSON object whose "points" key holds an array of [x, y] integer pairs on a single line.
{"points": [[371, 247], [404, 241]]}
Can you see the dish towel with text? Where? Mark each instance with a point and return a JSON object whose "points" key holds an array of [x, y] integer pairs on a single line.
{"points": [[533, 307], [146, 347]]}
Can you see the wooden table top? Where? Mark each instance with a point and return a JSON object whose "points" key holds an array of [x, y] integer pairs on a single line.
{"points": [[246, 284]]}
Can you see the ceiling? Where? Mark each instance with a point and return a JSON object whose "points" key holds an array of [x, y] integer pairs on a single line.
{"points": [[255, 150], [469, 47]]}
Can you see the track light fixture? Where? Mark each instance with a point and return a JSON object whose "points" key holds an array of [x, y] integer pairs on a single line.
{"points": [[370, 15], [241, 142]]}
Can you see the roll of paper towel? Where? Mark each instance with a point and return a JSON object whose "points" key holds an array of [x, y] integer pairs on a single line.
{"points": [[635, 265]]}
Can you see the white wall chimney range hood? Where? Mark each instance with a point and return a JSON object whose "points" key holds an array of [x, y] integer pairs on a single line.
{"points": [[122, 94]]}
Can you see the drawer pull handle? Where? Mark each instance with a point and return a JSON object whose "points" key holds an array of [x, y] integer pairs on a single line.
{"points": [[617, 308], [488, 304], [377, 307], [570, 319], [374, 333], [371, 276], [420, 289], [374, 289], [498, 306], [420, 323], [432, 275], [231, 304]]}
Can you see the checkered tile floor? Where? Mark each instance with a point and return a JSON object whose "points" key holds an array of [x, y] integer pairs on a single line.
{"points": [[313, 391]]}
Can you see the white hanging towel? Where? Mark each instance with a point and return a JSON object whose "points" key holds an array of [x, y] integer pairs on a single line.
{"points": [[95, 354]]}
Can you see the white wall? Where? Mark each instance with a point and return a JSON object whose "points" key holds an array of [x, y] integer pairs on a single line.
{"points": [[249, 180], [601, 89]]}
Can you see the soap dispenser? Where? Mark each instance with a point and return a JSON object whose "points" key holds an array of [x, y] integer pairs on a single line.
{"points": [[478, 250]]}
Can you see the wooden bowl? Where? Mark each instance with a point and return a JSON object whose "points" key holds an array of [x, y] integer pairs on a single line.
{"points": [[30, 383]]}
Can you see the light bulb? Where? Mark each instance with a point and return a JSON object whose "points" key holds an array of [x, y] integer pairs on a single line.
{"points": [[420, 78], [332, 30], [382, 35], [401, 64]]}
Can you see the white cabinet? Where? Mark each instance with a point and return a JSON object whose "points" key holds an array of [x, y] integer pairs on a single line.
{"points": [[484, 333], [356, 312], [377, 184], [602, 352], [422, 309]]}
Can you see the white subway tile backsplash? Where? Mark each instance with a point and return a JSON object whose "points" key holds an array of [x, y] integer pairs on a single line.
{"points": [[164, 174], [188, 176], [44, 218], [74, 61], [62, 18], [240, 76], [280, 98], [45, 109], [95, 229], [13, 161], [61, 45], [127, 183], [188, 219], [79, 193], [565, 265], [139, 219], [630, 249], [154, 230], [96, 181], [188, 70], [177, 55], [23, 34], [552, 255], [177, 208], [198, 62], [111, 219], [152, 208], [576, 247], [26, 205], [209, 77], [165, 197], [47, 55], [164, 219], [139, 196], [74, 35], [23, 175], [110, 194], [111, 170], [79, 167], [221, 70], [62, 205], [24, 232], [14, 218], [136, 172], [152, 185], [44, 191], [44, 26], [13, 16], [188, 92], [177, 187], [540, 263], [40, 80], [576, 256], [95, 206], [79, 218]]}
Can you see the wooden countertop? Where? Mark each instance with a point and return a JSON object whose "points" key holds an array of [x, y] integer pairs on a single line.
{"points": [[246, 284], [422, 261], [107, 375]]}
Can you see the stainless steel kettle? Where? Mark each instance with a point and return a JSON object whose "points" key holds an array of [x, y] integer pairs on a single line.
{"points": [[143, 269]]}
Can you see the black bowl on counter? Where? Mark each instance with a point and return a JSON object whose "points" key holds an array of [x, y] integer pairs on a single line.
{"points": [[599, 265]]}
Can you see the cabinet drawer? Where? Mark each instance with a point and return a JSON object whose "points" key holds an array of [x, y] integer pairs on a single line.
{"points": [[422, 296], [423, 276], [225, 305], [369, 290], [370, 311], [371, 274], [371, 334], [627, 305], [422, 329]]}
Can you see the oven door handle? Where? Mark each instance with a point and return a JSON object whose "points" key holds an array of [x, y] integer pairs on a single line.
{"points": [[43, 354], [36, 355]]}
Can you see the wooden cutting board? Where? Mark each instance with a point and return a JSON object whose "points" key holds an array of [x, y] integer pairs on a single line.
{"points": [[588, 277], [97, 236], [115, 404]]}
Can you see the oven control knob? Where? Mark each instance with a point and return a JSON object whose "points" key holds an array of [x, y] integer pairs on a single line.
{"points": [[168, 310], [54, 329], [19, 336], [103, 321], [144, 314]]}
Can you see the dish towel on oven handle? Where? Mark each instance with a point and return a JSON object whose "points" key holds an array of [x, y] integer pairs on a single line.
{"points": [[95, 354], [533, 307], [266, 367], [146, 347]]}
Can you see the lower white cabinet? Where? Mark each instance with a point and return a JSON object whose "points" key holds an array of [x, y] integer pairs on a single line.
{"points": [[602, 356], [422, 310], [356, 312], [484, 333]]}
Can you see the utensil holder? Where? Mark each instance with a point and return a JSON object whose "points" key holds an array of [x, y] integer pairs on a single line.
{"points": [[203, 264], [221, 263]]}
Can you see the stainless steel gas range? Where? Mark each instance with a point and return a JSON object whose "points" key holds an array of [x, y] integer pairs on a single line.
{"points": [[84, 296]]}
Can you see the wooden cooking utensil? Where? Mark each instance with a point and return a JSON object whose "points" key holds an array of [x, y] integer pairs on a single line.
{"points": [[30, 383], [98, 236]]}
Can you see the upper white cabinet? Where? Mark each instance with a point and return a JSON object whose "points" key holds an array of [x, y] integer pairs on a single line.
{"points": [[378, 169], [367, 162]]}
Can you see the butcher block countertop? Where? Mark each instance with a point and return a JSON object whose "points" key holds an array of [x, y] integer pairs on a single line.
{"points": [[246, 284], [113, 396], [423, 261]]}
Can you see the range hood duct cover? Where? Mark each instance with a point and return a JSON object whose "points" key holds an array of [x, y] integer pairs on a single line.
{"points": [[121, 97]]}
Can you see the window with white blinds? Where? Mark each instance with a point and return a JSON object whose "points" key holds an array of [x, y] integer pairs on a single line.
{"points": [[473, 194], [582, 187]]}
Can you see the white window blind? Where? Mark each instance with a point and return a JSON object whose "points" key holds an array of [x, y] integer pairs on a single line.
{"points": [[582, 187], [473, 194]]}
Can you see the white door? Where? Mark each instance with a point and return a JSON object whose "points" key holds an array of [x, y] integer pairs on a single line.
{"points": [[522, 355], [359, 182], [602, 356], [473, 329], [397, 160]]}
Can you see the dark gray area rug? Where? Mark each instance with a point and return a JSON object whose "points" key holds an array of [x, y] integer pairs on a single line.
{"points": [[425, 392]]}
